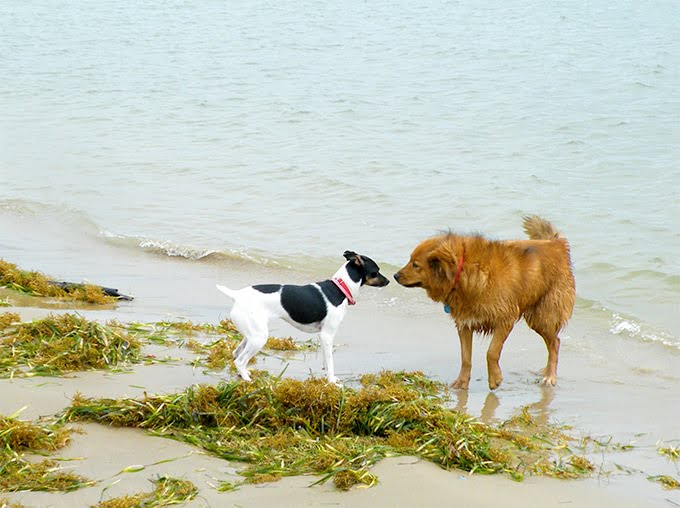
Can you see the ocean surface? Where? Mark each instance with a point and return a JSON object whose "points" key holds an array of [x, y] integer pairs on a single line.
{"points": [[279, 134]]}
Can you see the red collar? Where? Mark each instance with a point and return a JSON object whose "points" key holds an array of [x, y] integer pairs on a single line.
{"points": [[460, 269], [345, 290]]}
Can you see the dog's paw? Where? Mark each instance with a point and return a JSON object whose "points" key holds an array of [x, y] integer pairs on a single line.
{"points": [[549, 381], [334, 380], [495, 381], [245, 376]]}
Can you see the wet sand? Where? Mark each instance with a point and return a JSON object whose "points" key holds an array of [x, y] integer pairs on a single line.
{"points": [[603, 390]]}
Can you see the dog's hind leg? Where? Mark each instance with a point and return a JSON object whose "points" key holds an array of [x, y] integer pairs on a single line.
{"points": [[253, 344], [239, 349], [552, 342], [493, 355], [463, 380], [547, 319], [253, 325], [550, 373]]}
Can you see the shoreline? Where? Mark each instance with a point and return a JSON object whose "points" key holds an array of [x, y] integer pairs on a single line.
{"points": [[398, 477]]}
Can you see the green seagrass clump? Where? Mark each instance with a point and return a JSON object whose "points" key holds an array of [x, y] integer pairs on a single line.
{"points": [[38, 284], [62, 343], [17, 438], [284, 427], [6, 503], [167, 491]]}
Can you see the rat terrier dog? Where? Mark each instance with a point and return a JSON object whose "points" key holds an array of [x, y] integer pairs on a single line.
{"points": [[318, 307]]}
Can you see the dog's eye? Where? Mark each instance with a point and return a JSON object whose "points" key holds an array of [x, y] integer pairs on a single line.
{"points": [[415, 265]]}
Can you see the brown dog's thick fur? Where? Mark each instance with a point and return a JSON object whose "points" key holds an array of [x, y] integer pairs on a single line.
{"points": [[490, 285]]}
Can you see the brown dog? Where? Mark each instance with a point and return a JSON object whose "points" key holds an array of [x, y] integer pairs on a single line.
{"points": [[487, 286]]}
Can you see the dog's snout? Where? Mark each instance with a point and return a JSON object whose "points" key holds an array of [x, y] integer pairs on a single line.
{"points": [[397, 276]]}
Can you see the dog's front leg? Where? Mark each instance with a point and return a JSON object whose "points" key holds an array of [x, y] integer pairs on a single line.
{"points": [[326, 340], [493, 355], [463, 380]]}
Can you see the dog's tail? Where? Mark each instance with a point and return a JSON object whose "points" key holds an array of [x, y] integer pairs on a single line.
{"points": [[540, 229], [229, 292]]}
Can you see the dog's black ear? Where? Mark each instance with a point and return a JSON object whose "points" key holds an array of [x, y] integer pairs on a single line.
{"points": [[354, 257], [440, 266]]}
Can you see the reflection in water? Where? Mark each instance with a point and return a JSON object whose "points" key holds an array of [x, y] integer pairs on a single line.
{"points": [[540, 409], [491, 403], [462, 400]]}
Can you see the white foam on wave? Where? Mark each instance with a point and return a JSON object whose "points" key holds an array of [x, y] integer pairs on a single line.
{"points": [[174, 250], [621, 325]]}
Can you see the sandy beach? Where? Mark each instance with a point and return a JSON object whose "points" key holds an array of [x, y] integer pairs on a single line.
{"points": [[594, 396]]}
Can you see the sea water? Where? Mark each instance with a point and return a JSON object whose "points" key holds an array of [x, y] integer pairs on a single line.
{"points": [[283, 133]]}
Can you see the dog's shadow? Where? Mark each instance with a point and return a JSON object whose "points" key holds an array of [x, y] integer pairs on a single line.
{"points": [[540, 409]]}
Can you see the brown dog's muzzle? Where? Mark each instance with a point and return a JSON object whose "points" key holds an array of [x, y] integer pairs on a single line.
{"points": [[399, 277]]}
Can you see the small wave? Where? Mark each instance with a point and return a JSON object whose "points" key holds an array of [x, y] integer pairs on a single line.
{"points": [[167, 248], [48, 213], [627, 326], [172, 250]]}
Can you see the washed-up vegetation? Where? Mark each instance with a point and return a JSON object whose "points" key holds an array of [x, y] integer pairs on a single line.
{"points": [[38, 284], [7, 318], [219, 354], [18, 438], [167, 491], [666, 481], [6, 503], [284, 427], [62, 343], [672, 452], [68, 342], [180, 332], [213, 353]]}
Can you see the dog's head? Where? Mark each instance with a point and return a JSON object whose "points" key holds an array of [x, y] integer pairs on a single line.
{"points": [[364, 270], [432, 267]]}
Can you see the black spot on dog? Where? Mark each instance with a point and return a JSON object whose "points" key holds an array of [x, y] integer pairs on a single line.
{"points": [[332, 292], [303, 304], [267, 288]]}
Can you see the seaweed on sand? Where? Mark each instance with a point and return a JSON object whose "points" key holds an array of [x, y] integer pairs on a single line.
{"points": [[284, 427], [668, 482], [672, 452], [167, 491], [37, 284], [6, 503], [17, 438], [62, 343], [7, 318]]}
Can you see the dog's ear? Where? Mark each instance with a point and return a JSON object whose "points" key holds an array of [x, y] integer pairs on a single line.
{"points": [[439, 262], [354, 257]]}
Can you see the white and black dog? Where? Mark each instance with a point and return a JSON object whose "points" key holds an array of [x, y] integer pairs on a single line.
{"points": [[318, 307]]}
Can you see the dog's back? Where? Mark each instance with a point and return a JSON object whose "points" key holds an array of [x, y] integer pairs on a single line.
{"points": [[532, 276]]}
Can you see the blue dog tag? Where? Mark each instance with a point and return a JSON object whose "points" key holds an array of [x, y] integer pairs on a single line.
{"points": [[447, 308]]}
